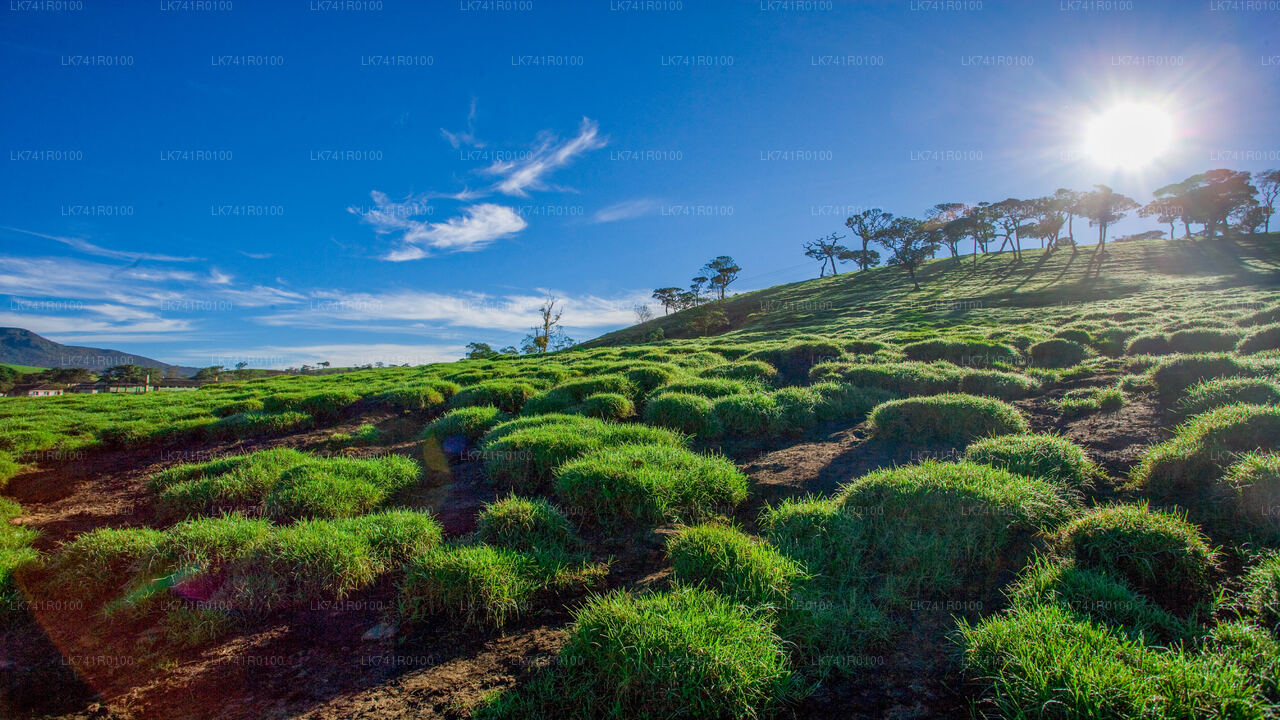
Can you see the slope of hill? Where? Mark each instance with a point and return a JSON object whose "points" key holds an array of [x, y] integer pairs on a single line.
{"points": [[954, 288], [23, 347]]}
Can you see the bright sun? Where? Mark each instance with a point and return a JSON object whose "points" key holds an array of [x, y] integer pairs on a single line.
{"points": [[1128, 136]]}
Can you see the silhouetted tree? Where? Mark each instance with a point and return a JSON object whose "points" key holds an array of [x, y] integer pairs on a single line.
{"points": [[910, 243], [1268, 184], [1103, 206], [718, 274], [868, 225], [668, 297], [826, 249]]}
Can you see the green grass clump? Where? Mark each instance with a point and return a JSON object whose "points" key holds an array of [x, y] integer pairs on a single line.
{"points": [[797, 409], [708, 387], [684, 412], [101, 561], [1210, 394], [458, 429], [1048, 457], [226, 484], [953, 418], [968, 353], [729, 561], [916, 531], [794, 361], [255, 423], [1203, 340], [525, 524], [413, 399], [746, 415], [1099, 597], [1157, 554], [394, 535], [848, 403], [1057, 353], [685, 653], [339, 487], [327, 406], [757, 371], [8, 469], [996, 383], [526, 457], [1252, 489], [1173, 377], [508, 396], [1086, 400], [1265, 316], [608, 406], [1187, 468], [1079, 336], [1150, 344], [16, 554], [308, 561], [1268, 338], [908, 378], [1260, 598], [1046, 662], [569, 396], [484, 586], [649, 484]]}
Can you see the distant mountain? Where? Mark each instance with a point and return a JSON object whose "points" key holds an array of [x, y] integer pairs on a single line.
{"points": [[23, 347]]}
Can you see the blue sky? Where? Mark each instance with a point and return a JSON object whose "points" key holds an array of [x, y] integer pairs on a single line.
{"points": [[291, 182]]}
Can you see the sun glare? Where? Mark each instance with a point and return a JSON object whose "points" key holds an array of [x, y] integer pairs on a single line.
{"points": [[1128, 136]]}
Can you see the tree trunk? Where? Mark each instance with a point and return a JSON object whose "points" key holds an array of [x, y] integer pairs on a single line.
{"points": [[833, 266]]}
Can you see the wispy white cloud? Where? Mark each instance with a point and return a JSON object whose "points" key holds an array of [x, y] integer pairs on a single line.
{"points": [[475, 229], [89, 248], [625, 210], [257, 256], [517, 177], [339, 355], [460, 139]]}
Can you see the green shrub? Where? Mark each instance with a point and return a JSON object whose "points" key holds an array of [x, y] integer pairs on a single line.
{"points": [[1211, 394], [1048, 457], [327, 406], [1045, 662], [101, 561], [608, 406], [1187, 468], [1097, 596], [394, 536], [1157, 554], [649, 484], [1203, 340], [648, 378], [969, 353], [339, 487], [1057, 353], [308, 561], [524, 524], [1268, 338], [731, 562], [1173, 377], [212, 541], [953, 418], [568, 396], [797, 409], [1075, 335], [686, 653], [684, 412], [708, 387], [569, 421], [996, 383], [748, 370], [506, 395], [1111, 341], [231, 483], [1149, 345]]}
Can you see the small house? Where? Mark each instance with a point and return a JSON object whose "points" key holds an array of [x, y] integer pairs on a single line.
{"points": [[88, 388], [44, 390]]}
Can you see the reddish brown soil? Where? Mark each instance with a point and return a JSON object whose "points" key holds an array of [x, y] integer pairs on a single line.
{"points": [[313, 663]]}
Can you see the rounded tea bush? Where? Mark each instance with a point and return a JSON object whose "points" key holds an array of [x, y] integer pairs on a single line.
{"points": [[507, 395], [1187, 468], [746, 415], [733, 563], [525, 458], [1148, 345], [1212, 394], [907, 378], [1075, 335], [749, 370], [649, 484], [1057, 353], [1172, 377], [687, 413], [477, 585], [1047, 457], [1268, 338], [524, 524], [794, 361], [1253, 488], [996, 383], [970, 353], [686, 653], [1158, 554], [608, 406], [953, 417], [460, 428]]}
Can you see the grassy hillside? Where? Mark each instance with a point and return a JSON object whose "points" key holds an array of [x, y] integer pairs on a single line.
{"points": [[999, 289], [1043, 489]]}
